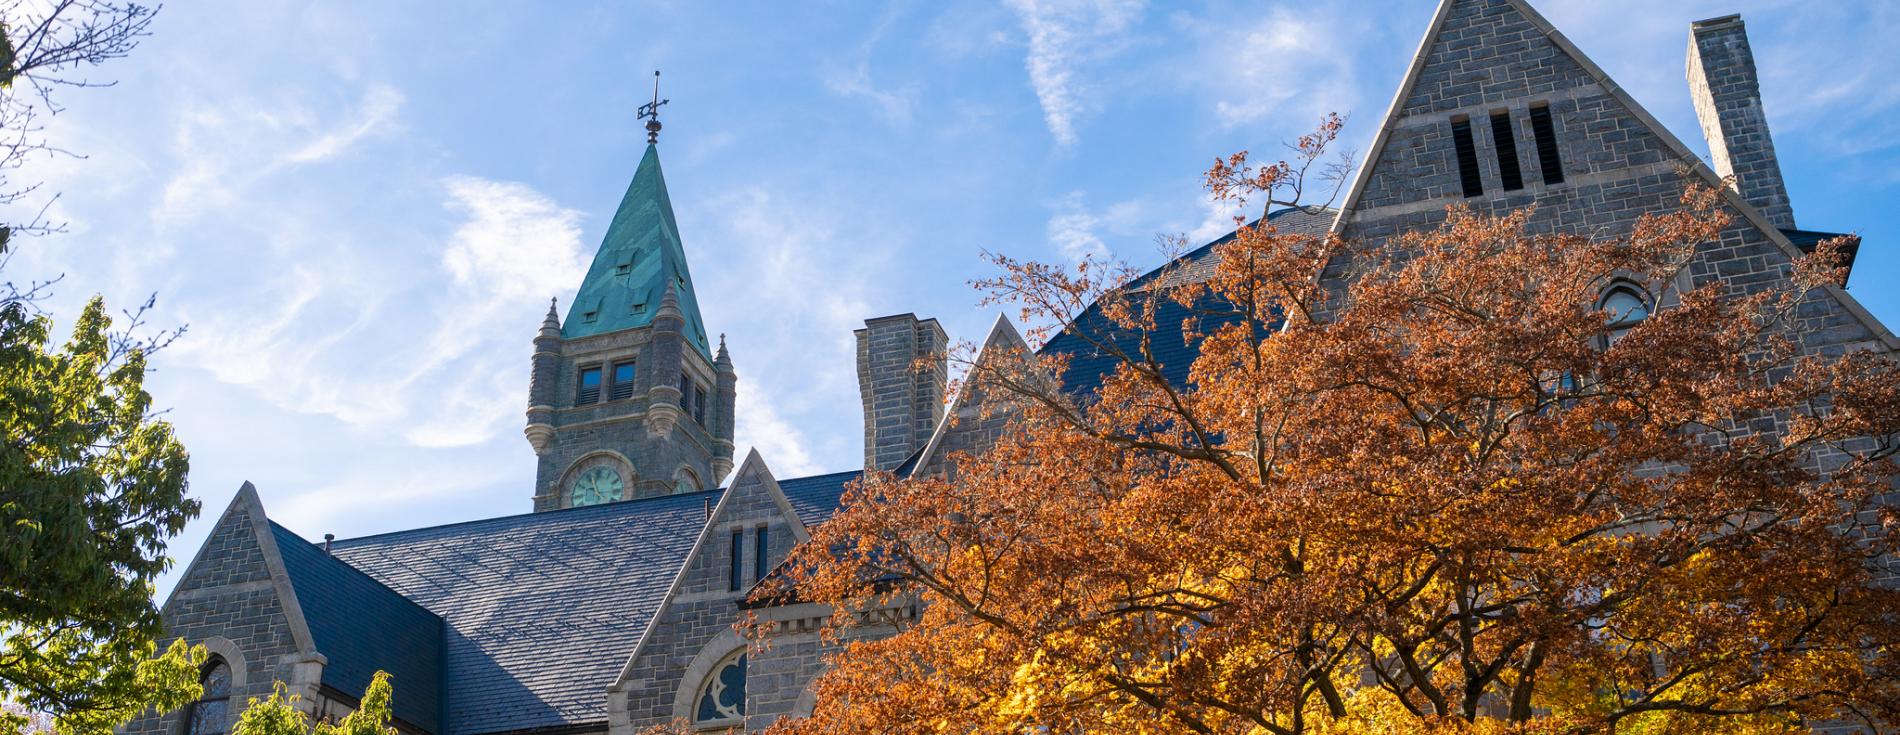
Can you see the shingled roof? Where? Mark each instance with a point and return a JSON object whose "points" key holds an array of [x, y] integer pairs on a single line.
{"points": [[405, 640], [540, 610], [1088, 341]]}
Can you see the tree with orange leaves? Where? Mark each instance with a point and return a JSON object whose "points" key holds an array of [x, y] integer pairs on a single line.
{"points": [[1423, 486]]}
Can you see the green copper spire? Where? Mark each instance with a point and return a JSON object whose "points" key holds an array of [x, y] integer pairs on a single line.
{"points": [[639, 257]]}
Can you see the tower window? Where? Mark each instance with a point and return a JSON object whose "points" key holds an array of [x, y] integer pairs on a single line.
{"points": [[589, 386], [1506, 142], [759, 546], [590, 317], [623, 269], [1467, 150], [622, 386], [1545, 131], [699, 405], [688, 393], [738, 560]]}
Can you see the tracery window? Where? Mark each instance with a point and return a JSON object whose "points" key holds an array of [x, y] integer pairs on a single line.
{"points": [[722, 697], [1627, 307], [211, 714]]}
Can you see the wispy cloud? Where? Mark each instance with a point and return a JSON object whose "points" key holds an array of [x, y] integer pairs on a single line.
{"points": [[1062, 36], [807, 268], [230, 147], [1072, 230], [894, 105], [444, 374], [853, 80], [1285, 68], [376, 114]]}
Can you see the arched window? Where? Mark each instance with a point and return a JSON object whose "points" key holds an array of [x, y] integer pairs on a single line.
{"points": [[211, 714], [685, 481], [722, 697], [1627, 307]]}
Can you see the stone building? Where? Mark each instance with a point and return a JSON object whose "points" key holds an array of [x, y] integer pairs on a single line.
{"points": [[611, 606]]}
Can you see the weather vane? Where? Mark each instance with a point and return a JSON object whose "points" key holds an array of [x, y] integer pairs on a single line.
{"points": [[651, 111]]}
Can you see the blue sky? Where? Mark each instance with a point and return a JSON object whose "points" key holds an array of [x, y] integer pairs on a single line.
{"points": [[361, 208]]}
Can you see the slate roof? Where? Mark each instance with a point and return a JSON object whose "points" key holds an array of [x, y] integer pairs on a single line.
{"points": [[815, 498], [1807, 239], [540, 610], [406, 640], [644, 240], [1090, 362]]}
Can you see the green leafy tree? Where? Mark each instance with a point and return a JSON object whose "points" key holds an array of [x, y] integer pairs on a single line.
{"points": [[92, 484], [278, 714]]}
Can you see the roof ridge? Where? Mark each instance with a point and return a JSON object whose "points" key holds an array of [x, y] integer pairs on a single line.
{"points": [[558, 512], [621, 505]]}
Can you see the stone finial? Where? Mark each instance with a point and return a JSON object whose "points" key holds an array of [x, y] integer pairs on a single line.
{"points": [[722, 361], [669, 303], [551, 324]]}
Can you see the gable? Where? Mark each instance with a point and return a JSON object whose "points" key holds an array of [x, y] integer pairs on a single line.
{"points": [[703, 602], [1499, 57]]}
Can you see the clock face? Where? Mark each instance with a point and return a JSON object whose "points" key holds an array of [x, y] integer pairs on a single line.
{"points": [[595, 486]]}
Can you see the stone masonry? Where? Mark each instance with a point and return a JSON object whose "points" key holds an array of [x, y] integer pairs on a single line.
{"points": [[901, 377], [1726, 91], [231, 601], [696, 630]]}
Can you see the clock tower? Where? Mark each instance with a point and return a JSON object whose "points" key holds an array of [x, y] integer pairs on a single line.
{"points": [[628, 398]]}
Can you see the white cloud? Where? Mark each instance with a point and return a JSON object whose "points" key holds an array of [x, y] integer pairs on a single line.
{"points": [[368, 334], [1072, 230], [783, 447], [894, 105], [807, 271], [515, 242], [376, 115], [1287, 69], [1063, 35], [854, 80], [229, 148]]}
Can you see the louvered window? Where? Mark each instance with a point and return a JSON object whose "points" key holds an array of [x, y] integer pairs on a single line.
{"points": [[589, 386], [1545, 131], [759, 547], [738, 560], [1506, 141], [622, 387], [1467, 151]]}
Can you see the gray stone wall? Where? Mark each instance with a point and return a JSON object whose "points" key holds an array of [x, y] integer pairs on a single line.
{"points": [[697, 627], [1727, 94], [227, 602], [622, 428], [902, 403]]}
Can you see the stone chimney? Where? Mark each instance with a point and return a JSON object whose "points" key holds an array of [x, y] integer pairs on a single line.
{"points": [[901, 376], [1727, 95]]}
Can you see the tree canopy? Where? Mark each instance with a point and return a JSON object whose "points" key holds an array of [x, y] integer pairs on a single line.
{"points": [[279, 714], [1421, 485], [92, 485]]}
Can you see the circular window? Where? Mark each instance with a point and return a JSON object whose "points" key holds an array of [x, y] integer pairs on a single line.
{"points": [[595, 486]]}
